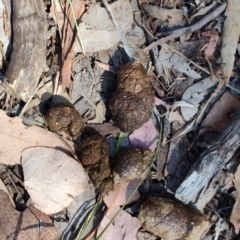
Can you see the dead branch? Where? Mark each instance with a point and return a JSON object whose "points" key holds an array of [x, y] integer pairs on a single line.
{"points": [[28, 55], [191, 28], [211, 161]]}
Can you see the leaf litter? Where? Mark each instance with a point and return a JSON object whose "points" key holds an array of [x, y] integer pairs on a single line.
{"points": [[200, 55], [44, 177]]}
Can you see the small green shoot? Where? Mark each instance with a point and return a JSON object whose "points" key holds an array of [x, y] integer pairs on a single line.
{"points": [[119, 141]]}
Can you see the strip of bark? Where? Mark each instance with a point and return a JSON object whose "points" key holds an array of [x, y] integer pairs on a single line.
{"points": [[191, 28], [211, 161], [28, 55]]}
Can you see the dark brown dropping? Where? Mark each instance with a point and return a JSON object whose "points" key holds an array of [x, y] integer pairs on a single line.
{"points": [[64, 118], [132, 102], [131, 111], [172, 220], [133, 78], [130, 164], [94, 155]]}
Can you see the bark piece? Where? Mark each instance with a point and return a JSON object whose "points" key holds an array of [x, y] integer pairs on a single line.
{"points": [[211, 160], [230, 36], [29, 47]]}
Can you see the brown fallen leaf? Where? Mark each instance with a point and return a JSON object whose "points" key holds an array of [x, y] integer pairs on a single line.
{"points": [[68, 33], [235, 217], [15, 137], [52, 178], [24, 225], [230, 35]]}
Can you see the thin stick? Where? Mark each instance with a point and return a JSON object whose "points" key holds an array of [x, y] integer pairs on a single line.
{"points": [[191, 28], [41, 84], [120, 33]]}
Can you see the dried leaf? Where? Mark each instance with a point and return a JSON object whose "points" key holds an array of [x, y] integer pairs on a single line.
{"points": [[15, 137], [160, 102], [230, 35], [121, 193], [172, 16], [57, 13], [203, 10], [210, 48], [96, 26], [175, 116], [145, 137], [77, 212], [124, 227], [68, 39], [101, 111], [194, 95], [189, 49], [52, 178], [221, 113], [235, 218], [170, 59], [4, 189], [85, 89], [106, 67], [24, 225], [4, 39]]}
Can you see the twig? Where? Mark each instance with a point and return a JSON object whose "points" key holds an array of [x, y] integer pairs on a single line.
{"points": [[180, 54], [56, 83], [106, 67], [191, 28], [197, 120], [120, 33], [154, 52], [41, 84]]}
